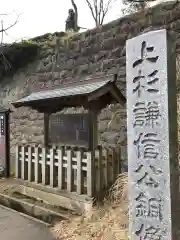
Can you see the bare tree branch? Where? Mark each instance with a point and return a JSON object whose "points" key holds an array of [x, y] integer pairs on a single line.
{"points": [[99, 9], [96, 7], [12, 25], [101, 4], [91, 9], [3, 31]]}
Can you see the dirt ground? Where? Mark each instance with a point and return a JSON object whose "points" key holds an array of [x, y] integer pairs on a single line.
{"points": [[109, 222]]}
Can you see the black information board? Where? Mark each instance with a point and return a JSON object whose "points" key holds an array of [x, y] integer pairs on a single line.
{"points": [[70, 129]]}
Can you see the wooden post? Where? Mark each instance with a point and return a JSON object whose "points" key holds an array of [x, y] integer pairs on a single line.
{"points": [[46, 129], [79, 172], [93, 133], [52, 177], [29, 164], [99, 171], [69, 170], [36, 164], [22, 163], [105, 168], [44, 167], [114, 167], [60, 167], [90, 175], [17, 162], [118, 159]]}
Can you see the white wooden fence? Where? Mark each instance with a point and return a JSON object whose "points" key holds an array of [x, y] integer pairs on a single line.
{"points": [[83, 172]]}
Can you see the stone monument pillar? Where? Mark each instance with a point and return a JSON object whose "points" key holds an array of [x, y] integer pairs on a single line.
{"points": [[152, 137]]}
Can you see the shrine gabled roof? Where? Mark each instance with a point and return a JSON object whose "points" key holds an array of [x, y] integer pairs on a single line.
{"points": [[64, 92], [87, 91]]}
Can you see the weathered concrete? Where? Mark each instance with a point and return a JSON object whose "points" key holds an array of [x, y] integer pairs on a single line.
{"points": [[33, 209], [14, 226], [54, 197]]}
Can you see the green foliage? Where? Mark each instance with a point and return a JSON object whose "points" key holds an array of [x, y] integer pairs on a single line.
{"points": [[27, 41]]}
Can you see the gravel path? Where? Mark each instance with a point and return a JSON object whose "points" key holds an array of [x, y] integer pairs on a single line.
{"points": [[14, 226]]}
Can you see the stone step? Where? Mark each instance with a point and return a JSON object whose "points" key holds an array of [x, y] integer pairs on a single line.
{"points": [[33, 207], [71, 202]]}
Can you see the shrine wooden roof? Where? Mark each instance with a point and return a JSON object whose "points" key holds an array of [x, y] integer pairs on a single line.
{"points": [[82, 94]]}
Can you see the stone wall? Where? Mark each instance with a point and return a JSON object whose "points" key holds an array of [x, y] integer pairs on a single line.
{"points": [[92, 53]]}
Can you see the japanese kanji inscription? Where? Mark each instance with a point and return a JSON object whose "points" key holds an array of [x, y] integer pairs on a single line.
{"points": [[152, 136]]}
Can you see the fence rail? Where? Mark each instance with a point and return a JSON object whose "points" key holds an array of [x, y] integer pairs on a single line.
{"points": [[81, 171]]}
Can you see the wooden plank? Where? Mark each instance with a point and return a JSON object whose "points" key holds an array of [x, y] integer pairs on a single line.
{"points": [[36, 164], [117, 95], [105, 168], [90, 175], [99, 92], [99, 171], [60, 152], [22, 163], [17, 172], [46, 129], [118, 159], [110, 166], [79, 172], [114, 167], [44, 167], [52, 177], [69, 170], [29, 163]]}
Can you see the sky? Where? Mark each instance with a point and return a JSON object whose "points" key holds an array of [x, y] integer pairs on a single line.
{"points": [[41, 16], [38, 17]]}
